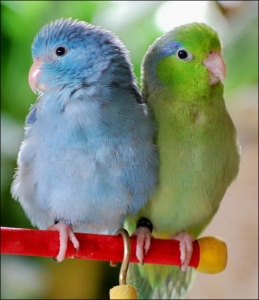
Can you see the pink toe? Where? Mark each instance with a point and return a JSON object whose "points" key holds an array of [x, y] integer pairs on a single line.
{"points": [[143, 242], [65, 233]]}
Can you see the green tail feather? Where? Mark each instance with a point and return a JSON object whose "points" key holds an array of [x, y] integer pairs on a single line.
{"points": [[160, 282]]}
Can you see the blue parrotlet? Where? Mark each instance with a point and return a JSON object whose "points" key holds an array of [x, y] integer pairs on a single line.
{"points": [[88, 158]]}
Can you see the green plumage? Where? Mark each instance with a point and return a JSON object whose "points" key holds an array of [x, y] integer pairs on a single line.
{"points": [[197, 142]]}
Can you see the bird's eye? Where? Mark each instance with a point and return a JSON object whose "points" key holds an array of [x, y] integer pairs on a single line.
{"points": [[183, 54], [61, 51]]}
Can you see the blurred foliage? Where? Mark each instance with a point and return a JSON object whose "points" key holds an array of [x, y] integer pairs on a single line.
{"points": [[241, 56], [136, 27]]}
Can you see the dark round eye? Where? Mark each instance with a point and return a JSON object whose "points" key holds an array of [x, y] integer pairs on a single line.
{"points": [[60, 51], [183, 54]]}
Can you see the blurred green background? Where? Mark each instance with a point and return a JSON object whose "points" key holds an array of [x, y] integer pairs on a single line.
{"points": [[137, 24]]}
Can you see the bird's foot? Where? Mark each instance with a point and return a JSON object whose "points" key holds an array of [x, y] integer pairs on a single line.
{"points": [[65, 233], [143, 234], [186, 248]]}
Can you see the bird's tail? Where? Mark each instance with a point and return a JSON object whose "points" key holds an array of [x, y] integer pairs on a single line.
{"points": [[160, 282]]}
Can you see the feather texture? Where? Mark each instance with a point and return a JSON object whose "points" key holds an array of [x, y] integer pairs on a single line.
{"points": [[199, 152], [88, 157]]}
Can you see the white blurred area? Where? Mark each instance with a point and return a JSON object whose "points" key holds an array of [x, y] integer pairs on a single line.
{"points": [[171, 14], [22, 277], [175, 13]]}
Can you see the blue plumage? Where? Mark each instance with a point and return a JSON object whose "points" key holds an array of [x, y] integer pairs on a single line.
{"points": [[88, 157]]}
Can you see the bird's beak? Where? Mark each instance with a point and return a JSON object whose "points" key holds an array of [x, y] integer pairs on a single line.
{"points": [[216, 66], [34, 75]]}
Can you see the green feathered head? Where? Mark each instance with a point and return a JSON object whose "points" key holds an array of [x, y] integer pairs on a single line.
{"points": [[187, 57]]}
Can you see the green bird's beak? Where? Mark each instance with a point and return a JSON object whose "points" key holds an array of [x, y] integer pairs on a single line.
{"points": [[216, 66]]}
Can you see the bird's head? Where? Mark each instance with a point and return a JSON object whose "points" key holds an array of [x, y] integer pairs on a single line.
{"points": [[73, 53], [188, 57]]}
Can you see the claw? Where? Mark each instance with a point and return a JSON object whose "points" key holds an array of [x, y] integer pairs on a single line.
{"points": [[65, 233], [143, 235], [186, 248]]}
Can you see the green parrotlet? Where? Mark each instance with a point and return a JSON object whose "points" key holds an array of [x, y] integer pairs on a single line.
{"points": [[182, 83]]}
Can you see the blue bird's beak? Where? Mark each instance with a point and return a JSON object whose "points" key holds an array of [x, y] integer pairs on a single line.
{"points": [[34, 75]]}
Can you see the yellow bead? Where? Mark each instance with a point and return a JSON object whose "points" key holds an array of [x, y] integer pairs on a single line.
{"points": [[213, 255], [123, 292]]}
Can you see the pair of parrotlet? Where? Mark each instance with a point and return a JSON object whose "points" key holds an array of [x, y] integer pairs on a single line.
{"points": [[98, 153]]}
